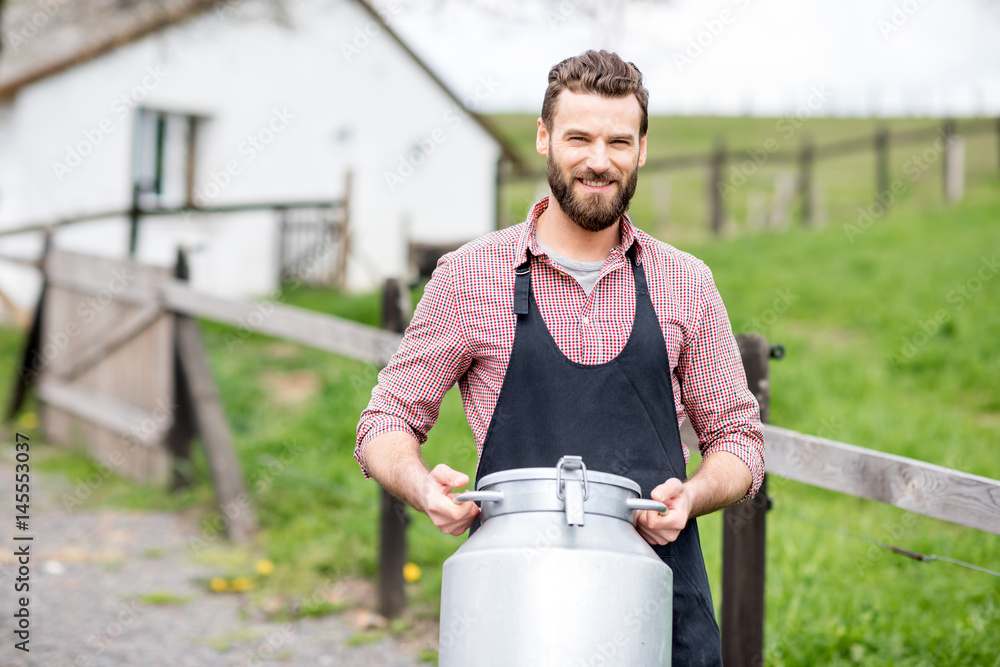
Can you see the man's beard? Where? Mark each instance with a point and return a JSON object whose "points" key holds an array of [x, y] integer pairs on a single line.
{"points": [[591, 211]]}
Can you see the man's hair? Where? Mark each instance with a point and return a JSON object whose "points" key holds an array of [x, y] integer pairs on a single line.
{"points": [[596, 72]]}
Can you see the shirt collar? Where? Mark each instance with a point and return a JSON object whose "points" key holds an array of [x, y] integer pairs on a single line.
{"points": [[529, 240]]}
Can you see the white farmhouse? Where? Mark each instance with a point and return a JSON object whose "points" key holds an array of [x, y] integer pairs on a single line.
{"points": [[273, 111]]}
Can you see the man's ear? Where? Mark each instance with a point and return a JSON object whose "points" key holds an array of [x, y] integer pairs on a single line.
{"points": [[642, 151], [542, 138]]}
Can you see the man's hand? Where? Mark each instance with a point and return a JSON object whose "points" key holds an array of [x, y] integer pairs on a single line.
{"points": [[721, 480], [659, 528], [394, 460], [437, 500]]}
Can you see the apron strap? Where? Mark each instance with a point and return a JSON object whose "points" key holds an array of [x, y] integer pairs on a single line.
{"points": [[639, 275], [522, 279], [522, 286]]}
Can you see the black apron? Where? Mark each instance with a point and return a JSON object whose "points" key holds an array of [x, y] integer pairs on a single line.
{"points": [[620, 417]]}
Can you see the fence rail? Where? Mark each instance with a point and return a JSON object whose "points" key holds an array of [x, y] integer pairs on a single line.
{"points": [[323, 332], [916, 486], [805, 157]]}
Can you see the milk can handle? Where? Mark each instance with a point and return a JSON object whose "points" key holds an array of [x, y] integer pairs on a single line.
{"points": [[483, 496], [643, 504]]}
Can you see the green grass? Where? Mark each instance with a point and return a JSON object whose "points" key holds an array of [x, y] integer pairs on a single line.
{"points": [[833, 599], [858, 370], [674, 204], [163, 599]]}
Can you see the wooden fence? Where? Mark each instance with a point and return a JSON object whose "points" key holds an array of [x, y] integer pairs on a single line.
{"points": [[805, 158], [312, 235], [916, 486]]}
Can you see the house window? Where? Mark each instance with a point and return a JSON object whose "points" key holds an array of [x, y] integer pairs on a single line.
{"points": [[163, 159]]}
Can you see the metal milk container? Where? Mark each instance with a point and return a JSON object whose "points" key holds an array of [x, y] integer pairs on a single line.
{"points": [[556, 575]]}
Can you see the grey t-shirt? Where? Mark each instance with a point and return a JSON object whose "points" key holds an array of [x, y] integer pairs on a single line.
{"points": [[585, 272]]}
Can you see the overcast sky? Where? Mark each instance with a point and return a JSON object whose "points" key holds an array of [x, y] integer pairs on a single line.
{"points": [[764, 57]]}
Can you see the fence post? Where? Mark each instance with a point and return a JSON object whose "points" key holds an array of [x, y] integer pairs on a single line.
{"points": [[806, 155], [345, 231], [743, 538], [394, 517], [134, 214], [882, 162], [716, 204], [183, 427], [954, 163], [26, 372], [998, 142]]}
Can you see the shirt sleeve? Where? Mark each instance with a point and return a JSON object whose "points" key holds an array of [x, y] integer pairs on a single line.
{"points": [[430, 359], [723, 411]]}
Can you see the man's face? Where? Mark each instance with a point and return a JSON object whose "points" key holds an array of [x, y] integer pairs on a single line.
{"points": [[593, 154]]}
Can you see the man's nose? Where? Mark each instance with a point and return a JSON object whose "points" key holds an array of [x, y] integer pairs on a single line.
{"points": [[598, 160]]}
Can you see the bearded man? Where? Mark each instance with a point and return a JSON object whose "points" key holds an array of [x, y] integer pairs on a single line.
{"points": [[576, 333]]}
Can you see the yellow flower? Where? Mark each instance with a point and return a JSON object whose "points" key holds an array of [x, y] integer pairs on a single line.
{"points": [[29, 421], [264, 566], [411, 572], [242, 584], [219, 584]]}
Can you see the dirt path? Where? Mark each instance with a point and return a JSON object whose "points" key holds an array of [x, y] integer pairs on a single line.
{"points": [[113, 588]]}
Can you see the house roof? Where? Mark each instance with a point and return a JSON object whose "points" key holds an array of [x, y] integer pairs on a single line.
{"points": [[40, 42]]}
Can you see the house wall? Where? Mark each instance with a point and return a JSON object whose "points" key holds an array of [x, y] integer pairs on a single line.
{"points": [[319, 95]]}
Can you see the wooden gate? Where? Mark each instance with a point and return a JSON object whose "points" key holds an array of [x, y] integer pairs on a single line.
{"points": [[104, 362], [313, 245]]}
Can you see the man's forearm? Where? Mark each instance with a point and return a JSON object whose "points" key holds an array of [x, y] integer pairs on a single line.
{"points": [[393, 458], [721, 480]]}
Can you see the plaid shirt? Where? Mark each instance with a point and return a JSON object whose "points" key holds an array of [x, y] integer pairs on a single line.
{"points": [[463, 331]]}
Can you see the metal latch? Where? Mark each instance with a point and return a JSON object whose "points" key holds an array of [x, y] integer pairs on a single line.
{"points": [[573, 491]]}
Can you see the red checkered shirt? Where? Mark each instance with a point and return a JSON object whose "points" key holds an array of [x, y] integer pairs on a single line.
{"points": [[463, 331]]}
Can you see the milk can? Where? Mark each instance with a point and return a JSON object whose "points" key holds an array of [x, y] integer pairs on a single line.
{"points": [[556, 575]]}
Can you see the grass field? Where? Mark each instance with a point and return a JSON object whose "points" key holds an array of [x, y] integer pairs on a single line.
{"points": [[859, 369], [674, 204]]}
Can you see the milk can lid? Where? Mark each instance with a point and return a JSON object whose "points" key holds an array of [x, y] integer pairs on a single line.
{"points": [[522, 474]]}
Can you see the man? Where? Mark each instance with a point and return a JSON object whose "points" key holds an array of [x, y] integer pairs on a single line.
{"points": [[576, 333]]}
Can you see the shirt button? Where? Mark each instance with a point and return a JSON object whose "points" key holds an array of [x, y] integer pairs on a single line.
{"points": [[586, 320]]}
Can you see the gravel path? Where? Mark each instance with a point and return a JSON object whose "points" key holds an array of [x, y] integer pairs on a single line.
{"points": [[90, 571]]}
